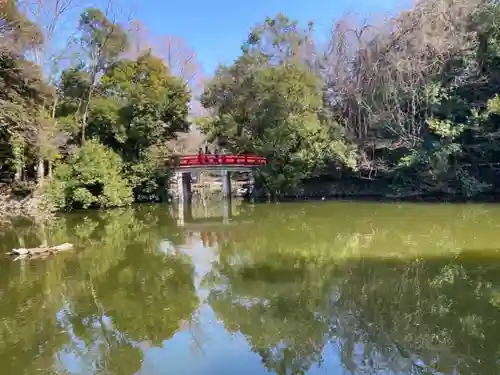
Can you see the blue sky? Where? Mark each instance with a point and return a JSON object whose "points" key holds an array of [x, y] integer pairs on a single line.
{"points": [[215, 29]]}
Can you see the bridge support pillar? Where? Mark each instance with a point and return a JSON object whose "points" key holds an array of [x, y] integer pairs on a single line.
{"points": [[226, 184], [186, 186], [183, 180]]}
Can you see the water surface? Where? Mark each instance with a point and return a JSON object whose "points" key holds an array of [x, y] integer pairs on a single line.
{"points": [[296, 288]]}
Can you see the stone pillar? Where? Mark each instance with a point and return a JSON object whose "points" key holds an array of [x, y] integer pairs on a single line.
{"points": [[181, 185], [186, 192], [176, 185], [226, 184]]}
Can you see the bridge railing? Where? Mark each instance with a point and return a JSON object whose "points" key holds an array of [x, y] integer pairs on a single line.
{"points": [[211, 159]]}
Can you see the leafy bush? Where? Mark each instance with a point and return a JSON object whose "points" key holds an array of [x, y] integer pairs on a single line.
{"points": [[92, 177], [149, 176]]}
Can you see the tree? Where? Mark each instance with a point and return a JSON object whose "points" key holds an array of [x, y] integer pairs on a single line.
{"points": [[395, 86], [140, 108], [279, 41], [24, 92], [145, 106], [188, 143], [268, 102], [17, 32], [180, 58], [49, 55], [103, 41]]}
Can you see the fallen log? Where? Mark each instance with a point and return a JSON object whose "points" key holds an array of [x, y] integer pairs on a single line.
{"points": [[39, 251], [32, 257]]}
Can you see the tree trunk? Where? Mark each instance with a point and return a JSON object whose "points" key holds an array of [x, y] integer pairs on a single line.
{"points": [[87, 103], [54, 107], [40, 171], [49, 169], [19, 174], [84, 125]]}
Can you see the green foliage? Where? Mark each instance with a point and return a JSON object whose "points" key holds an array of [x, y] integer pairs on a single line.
{"points": [[103, 39], [150, 176], [279, 41], [135, 109], [140, 105], [73, 85], [20, 31], [23, 94], [383, 111], [276, 112], [91, 177]]}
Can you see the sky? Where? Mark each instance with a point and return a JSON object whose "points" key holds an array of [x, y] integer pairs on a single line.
{"points": [[215, 29]]}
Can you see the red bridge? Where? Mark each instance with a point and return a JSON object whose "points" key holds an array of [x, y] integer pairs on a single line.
{"points": [[217, 162], [225, 164]]}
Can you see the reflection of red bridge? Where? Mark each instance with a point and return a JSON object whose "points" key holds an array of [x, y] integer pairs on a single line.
{"points": [[218, 162]]}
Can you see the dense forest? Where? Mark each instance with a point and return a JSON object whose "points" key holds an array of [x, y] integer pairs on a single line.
{"points": [[400, 107], [403, 107]]}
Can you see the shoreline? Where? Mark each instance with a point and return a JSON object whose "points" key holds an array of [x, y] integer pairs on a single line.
{"points": [[19, 211], [388, 198]]}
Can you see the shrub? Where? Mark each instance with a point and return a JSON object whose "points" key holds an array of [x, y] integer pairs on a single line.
{"points": [[149, 177], [92, 177]]}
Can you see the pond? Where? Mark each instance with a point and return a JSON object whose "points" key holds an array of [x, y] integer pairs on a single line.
{"points": [[294, 288]]}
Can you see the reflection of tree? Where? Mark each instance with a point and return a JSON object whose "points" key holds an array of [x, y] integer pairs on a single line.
{"points": [[305, 279], [439, 313], [291, 287], [352, 230], [98, 348], [149, 302], [397, 316], [274, 305], [97, 304], [29, 333]]}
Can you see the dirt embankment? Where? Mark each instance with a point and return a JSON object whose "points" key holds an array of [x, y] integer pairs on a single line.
{"points": [[16, 202]]}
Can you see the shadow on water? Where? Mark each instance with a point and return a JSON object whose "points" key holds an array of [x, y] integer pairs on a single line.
{"points": [[338, 287]]}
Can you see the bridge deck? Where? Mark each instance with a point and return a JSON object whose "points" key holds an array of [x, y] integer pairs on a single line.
{"points": [[215, 168], [204, 162]]}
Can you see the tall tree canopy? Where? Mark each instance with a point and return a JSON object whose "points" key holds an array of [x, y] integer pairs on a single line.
{"points": [[269, 102], [404, 107]]}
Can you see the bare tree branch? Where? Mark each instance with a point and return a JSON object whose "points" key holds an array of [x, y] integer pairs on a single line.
{"points": [[378, 76], [175, 52]]}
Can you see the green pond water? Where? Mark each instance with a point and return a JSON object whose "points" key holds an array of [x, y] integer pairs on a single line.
{"points": [[294, 288]]}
